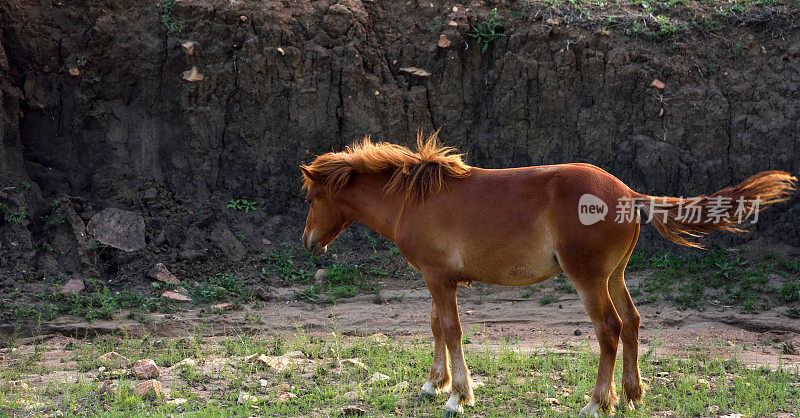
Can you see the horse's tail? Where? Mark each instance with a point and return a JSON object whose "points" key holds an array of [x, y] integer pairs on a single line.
{"points": [[681, 219]]}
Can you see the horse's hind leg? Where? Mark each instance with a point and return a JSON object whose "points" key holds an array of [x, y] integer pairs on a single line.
{"points": [[439, 378], [607, 325]]}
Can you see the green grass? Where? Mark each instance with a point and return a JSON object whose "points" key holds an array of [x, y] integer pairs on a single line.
{"points": [[487, 31], [516, 379]]}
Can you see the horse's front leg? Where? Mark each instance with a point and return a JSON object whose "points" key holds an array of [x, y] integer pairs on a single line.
{"points": [[443, 291], [439, 378]]}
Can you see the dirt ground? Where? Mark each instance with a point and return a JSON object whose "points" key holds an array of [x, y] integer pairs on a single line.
{"points": [[487, 312]]}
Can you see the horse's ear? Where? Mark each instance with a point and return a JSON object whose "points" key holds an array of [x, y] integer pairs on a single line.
{"points": [[307, 173]]}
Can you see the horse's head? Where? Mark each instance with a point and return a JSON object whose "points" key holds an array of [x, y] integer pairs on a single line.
{"points": [[326, 219]]}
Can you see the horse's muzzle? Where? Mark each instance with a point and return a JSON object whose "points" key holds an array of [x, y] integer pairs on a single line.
{"points": [[312, 245]]}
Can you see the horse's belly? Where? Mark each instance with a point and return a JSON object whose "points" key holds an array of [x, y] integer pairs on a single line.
{"points": [[510, 272]]}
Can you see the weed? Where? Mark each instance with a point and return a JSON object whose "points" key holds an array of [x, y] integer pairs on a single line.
{"points": [[436, 25], [487, 31], [281, 262], [790, 292], [220, 286], [164, 9], [241, 204], [17, 216], [548, 299]]}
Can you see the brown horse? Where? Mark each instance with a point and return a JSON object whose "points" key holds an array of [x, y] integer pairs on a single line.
{"points": [[513, 227]]}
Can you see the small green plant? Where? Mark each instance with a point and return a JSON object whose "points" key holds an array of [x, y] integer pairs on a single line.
{"points": [[548, 299], [487, 31], [164, 9], [241, 204], [436, 25], [81, 60], [18, 216]]}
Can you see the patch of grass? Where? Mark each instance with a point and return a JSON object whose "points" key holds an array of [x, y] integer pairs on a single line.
{"points": [[164, 9], [281, 262], [340, 282], [487, 31], [218, 287], [241, 204]]}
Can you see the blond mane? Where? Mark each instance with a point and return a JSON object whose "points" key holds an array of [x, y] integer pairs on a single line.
{"points": [[415, 173]]}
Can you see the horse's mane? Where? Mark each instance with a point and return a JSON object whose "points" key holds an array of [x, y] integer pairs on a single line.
{"points": [[415, 173]]}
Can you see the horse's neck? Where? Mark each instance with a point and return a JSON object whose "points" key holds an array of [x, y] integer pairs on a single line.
{"points": [[365, 196]]}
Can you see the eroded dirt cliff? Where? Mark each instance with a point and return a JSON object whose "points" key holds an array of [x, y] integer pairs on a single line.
{"points": [[97, 112]]}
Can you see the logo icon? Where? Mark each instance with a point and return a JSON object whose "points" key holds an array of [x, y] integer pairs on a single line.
{"points": [[591, 209]]}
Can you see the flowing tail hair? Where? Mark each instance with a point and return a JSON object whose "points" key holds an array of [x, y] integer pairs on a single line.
{"points": [[682, 219]]}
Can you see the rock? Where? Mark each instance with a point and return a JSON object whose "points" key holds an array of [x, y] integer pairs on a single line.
{"points": [[295, 354], [246, 398], [225, 241], [263, 294], [73, 286], [553, 22], [353, 411], [378, 377], [161, 274], [188, 47], [108, 387], [661, 112], [18, 386], [789, 349], [192, 255], [150, 389], [146, 369], [243, 18], [282, 52], [552, 401], [177, 401], [220, 307], [74, 72], [401, 386], [114, 360], [577, 332], [118, 228], [353, 362], [416, 72], [187, 362], [443, 41], [192, 75], [378, 339], [320, 275], [176, 296], [658, 84], [263, 383], [285, 396], [452, 24]]}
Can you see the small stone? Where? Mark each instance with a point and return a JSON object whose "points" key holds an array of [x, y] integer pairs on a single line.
{"points": [[162, 274], [661, 112], [378, 339], [263, 294], [150, 388], [118, 228], [18, 386], [455, 8], [192, 75], [353, 411], [114, 360], [243, 18], [353, 362], [553, 22], [285, 396], [146, 369], [789, 349], [177, 401], [108, 387], [221, 307], [295, 354], [452, 24], [577, 332], [378, 377], [401, 386], [245, 398], [74, 71], [282, 52], [176, 296], [552, 401], [187, 362], [188, 47], [416, 72], [320, 275], [263, 383], [443, 41], [470, 312], [101, 369], [266, 241], [73, 286], [658, 84]]}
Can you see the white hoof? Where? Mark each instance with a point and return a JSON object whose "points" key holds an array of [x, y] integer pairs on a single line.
{"points": [[592, 409], [428, 389], [453, 405]]}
